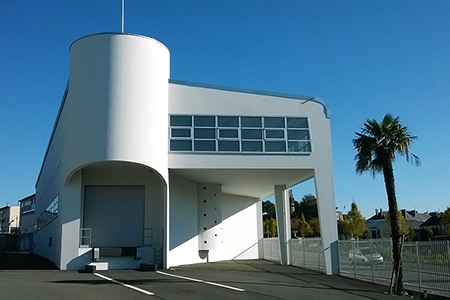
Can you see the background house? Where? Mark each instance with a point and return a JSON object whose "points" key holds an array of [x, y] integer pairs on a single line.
{"points": [[27, 220], [378, 227], [432, 229]]}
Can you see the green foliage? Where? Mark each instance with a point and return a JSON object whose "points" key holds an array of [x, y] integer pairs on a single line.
{"points": [[342, 229], [307, 206], [377, 146], [301, 226], [378, 143], [269, 208], [445, 220], [428, 232], [315, 226], [270, 228], [356, 223], [404, 229], [309, 202]]}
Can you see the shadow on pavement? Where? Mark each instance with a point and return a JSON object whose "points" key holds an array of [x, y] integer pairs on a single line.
{"points": [[24, 261]]}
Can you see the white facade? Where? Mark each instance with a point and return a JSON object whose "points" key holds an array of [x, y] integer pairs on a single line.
{"points": [[170, 171], [9, 219]]}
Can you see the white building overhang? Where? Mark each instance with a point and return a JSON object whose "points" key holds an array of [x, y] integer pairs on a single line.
{"points": [[258, 183]]}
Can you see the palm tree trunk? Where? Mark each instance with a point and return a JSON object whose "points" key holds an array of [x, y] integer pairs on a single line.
{"points": [[395, 228]]}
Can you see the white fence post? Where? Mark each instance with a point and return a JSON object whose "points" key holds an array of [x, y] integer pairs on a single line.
{"points": [[418, 267], [318, 255], [353, 258], [448, 259], [371, 260]]}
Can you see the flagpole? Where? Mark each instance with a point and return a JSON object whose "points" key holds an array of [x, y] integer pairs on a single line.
{"points": [[123, 14]]}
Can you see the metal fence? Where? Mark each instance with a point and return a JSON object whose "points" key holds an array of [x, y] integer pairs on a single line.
{"points": [[307, 253], [271, 249], [426, 265]]}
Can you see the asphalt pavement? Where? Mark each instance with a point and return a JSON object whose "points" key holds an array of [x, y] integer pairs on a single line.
{"points": [[241, 279]]}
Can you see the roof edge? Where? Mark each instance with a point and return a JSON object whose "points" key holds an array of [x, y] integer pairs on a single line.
{"points": [[318, 100], [117, 33]]}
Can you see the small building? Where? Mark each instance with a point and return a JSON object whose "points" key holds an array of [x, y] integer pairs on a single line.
{"points": [[27, 220], [9, 219], [141, 168], [9, 227], [432, 229], [378, 226]]}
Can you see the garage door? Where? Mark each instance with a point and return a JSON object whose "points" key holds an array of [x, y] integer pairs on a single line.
{"points": [[115, 215]]}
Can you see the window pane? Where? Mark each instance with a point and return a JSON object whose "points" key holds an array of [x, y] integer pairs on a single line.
{"points": [[204, 133], [299, 146], [275, 146], [228, 121], [181, 133], [204, 121], [228, 145], [252, 146], [275, 134], [297, 122], [253, 134], [274, 122], [228, 133], [298, 135], [251, 122], [204, 145], [180, 145], [180, 121]]}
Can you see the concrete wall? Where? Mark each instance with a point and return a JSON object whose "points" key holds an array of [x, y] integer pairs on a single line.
{"points": [[241, 225], [197, 100], [183, 211], [114, 107]]}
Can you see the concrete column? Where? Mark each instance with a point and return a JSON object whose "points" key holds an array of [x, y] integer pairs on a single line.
{"points": [[327, 218], [282, 209]]}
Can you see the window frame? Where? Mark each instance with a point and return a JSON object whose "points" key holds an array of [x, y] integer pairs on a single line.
{"points": [[292, 145]]}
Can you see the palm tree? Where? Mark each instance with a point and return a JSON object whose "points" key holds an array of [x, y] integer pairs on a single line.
{"points": [[377, 146]]}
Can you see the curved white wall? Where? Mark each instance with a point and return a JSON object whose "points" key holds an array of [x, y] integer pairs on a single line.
{"points": [[118, 102]]}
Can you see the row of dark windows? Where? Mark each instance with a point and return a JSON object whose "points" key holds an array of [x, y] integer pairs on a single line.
{"points": [[235, 121], [239, 134]]}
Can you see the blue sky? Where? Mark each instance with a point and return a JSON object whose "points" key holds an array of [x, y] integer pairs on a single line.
{"points": [[364, 58]]}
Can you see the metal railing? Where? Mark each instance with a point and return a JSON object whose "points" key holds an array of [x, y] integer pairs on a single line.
{"points": [[271, 249], [85, 237], [426, 265], [307, 253]]}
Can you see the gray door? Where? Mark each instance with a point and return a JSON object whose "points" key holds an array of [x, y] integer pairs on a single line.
{"points": [[115, 215]]}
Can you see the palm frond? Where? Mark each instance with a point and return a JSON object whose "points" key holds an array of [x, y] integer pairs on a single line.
{"points": [[378, 142]]}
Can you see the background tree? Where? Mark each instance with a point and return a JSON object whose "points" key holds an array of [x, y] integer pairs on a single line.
{"points": [[342, 229], [377, 146], [404, 228], [445, 220], [307, 206], [300, 226], [270, 228], [428, 232], [356, 224], [269, 209], [314, 223]]}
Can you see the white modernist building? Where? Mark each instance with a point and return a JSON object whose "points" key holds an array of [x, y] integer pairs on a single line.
{"points": [[152, 170]]}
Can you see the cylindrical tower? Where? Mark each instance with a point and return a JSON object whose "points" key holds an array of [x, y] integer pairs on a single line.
{"points": [[118, 98]]}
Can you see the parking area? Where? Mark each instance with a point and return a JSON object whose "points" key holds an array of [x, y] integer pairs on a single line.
{"points": [[249, 279]]}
